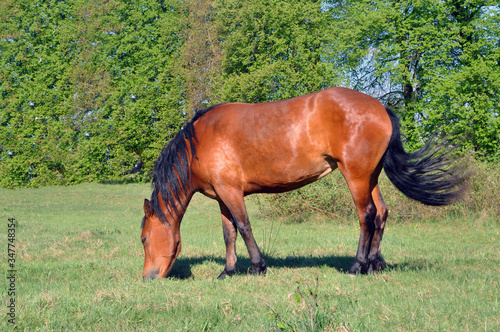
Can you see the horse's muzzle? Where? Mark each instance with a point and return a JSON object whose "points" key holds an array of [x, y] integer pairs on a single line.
{"points": [[153, 274]]}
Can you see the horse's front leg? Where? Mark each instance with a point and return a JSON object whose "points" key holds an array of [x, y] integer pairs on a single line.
{"points": [[230, 234], [234, 202]]}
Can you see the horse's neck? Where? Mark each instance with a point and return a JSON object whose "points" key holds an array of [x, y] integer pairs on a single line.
{"points": [[181, 204]]}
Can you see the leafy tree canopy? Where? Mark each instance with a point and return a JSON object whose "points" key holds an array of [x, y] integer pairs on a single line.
{"points": [[90, 89]]}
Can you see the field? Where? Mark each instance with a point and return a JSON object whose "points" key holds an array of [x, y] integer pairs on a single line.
{"points": [[78, 261]]}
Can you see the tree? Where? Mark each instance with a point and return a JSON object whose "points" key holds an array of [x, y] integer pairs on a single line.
{"points": [[88, 89], [466, 101], [420, 58], [273, 49], [201, 53]]}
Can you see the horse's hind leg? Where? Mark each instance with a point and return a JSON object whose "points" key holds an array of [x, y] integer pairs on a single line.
{"points": [[233, 200], [376, 261], [372, 214], [361, 184], [230, 234], [366, 214]]}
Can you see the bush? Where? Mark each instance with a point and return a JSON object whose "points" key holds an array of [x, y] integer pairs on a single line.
{"points": [[331, 198]]}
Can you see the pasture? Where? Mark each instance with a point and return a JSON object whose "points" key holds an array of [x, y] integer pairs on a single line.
{"points": [[79, 263]]}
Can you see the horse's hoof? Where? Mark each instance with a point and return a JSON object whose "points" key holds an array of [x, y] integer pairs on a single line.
{"points": [[227, 273], [259, 269], [358, 268], [378, 264], [353, 271]]}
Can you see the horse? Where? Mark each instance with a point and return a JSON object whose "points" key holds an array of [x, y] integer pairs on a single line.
{"points": [[231, 150]]}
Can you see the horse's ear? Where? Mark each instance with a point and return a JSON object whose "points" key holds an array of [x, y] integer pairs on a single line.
{"points": [[148, 208]]}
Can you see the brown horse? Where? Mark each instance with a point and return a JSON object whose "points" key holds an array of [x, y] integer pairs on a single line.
{"points": [[231, 150]]}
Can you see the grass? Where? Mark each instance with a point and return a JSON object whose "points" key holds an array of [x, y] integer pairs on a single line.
{"points": [[79, 261]]}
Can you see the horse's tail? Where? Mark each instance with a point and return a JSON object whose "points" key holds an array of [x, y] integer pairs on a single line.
{"points": [[429, 175]]}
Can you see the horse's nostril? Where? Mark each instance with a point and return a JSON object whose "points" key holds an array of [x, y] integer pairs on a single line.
{"points": [[152, 275]]}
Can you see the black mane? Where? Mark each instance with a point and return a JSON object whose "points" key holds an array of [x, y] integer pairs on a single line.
{"points": [[171, 175]]}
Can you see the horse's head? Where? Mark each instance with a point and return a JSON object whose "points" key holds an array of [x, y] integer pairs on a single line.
{"points": [[162, 244]]}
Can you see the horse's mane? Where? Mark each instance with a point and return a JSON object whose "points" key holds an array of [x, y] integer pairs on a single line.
{"points": [[172, 175]]}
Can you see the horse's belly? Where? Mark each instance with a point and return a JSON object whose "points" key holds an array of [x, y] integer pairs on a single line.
{"points": [[276, 180]]}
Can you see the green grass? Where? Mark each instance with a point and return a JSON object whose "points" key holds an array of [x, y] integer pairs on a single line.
{"points": [[79, 261]]}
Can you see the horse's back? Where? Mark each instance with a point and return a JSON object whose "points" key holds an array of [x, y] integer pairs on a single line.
{"points": [[278, 146]]}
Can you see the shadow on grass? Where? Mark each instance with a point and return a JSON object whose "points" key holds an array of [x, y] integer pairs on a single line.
{"points": [[182, 267]]}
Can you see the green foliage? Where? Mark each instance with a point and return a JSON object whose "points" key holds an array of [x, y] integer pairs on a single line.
{"points": [[88, 89], [273, 49], [436, 63], [201, 54]]}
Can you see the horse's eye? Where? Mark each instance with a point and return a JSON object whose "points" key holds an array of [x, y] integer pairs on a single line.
{"points": [[143, 240]]}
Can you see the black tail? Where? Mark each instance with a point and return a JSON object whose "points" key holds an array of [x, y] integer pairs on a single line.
{"points": [[430, 175]]}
